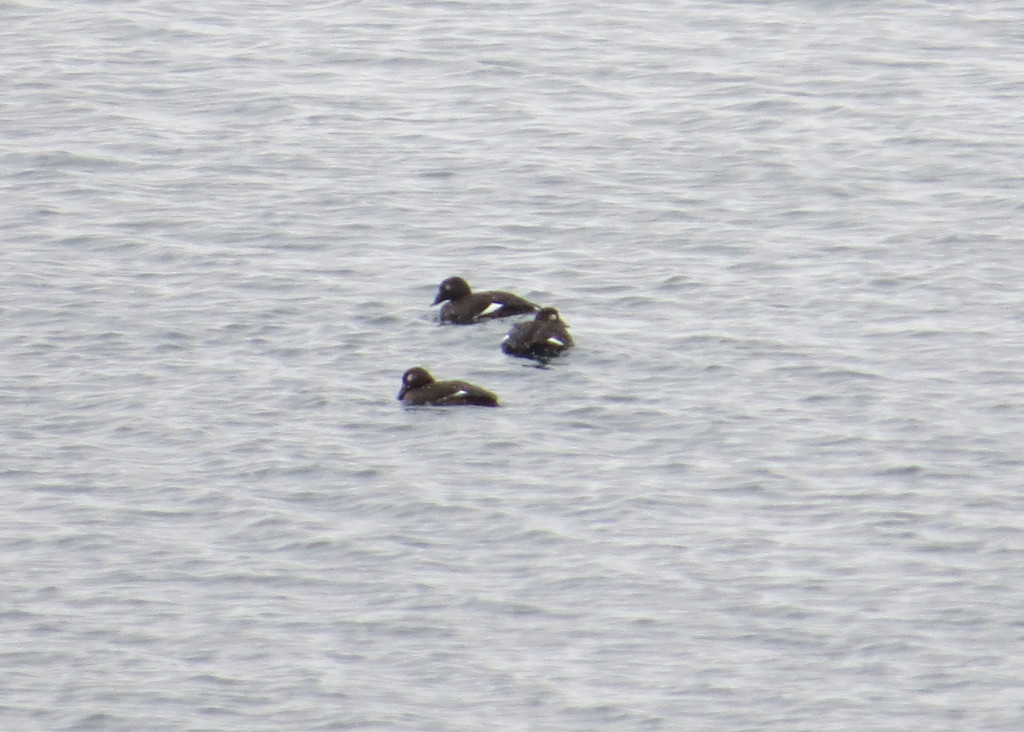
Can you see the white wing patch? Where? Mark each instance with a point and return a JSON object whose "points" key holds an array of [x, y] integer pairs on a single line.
{"points": [[492, 307], [460, 392], [555, 342]]}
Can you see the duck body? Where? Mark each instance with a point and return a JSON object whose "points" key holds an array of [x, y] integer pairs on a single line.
{"points": [[544, 337], [462, 306], [420, 388]]}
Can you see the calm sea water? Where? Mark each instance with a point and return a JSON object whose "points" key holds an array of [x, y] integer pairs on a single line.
{"points": [[777, 486]]}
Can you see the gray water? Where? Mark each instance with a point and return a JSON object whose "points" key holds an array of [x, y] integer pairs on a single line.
{"points": [[776, 486]]}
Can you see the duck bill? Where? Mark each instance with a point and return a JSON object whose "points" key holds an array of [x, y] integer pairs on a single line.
{"points": [[440, 298], [401, 392]]}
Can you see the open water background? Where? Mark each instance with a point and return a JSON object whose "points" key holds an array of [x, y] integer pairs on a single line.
{"points": [[777, 486]]}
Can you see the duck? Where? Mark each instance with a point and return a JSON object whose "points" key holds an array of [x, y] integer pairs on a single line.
{"points": [[544, 337], [462, 306], [420, 388]]}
